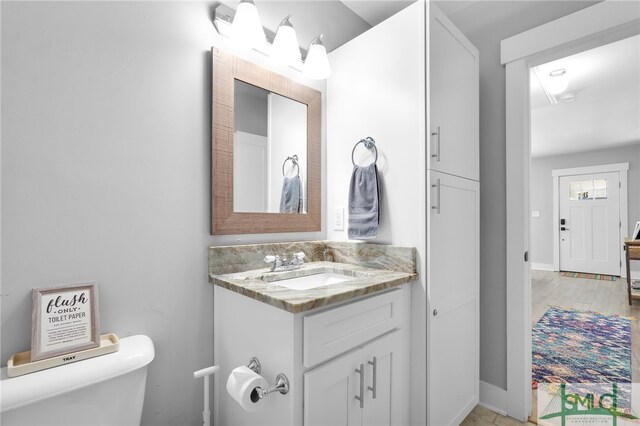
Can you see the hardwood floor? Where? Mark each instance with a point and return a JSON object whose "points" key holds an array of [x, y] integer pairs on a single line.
{"points": [[551, 288], [607, 297]]}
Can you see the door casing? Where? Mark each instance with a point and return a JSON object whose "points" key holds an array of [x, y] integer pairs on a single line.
{"points": [[595, 26]]}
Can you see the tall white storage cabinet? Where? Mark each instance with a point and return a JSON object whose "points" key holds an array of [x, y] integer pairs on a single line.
{"points": [[453, 216], [411, 83]]}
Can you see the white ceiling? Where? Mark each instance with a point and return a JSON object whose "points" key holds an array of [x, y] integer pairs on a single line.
{"points": [[339, 21], [377, 11], [606, 110], [451, 7]]}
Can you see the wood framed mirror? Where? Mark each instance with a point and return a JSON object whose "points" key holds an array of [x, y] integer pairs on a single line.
{"points": [[266, 131]]}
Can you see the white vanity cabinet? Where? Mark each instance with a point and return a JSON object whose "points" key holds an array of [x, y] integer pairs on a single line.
{"points": [[453, 99], [319, 351], [356, 389]]}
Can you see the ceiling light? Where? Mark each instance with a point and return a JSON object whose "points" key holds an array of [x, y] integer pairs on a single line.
{"points": [[557, 81], [316, 65], [285, 46], [246, 29]]}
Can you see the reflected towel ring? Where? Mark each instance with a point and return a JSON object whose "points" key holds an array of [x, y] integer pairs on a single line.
{"points": [[368, 143], [294, 160]]}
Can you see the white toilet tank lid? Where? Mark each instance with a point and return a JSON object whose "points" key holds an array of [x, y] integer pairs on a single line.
{"points": [[135, 352]]}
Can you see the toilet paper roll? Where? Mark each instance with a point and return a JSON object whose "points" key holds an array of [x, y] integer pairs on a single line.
{"points": [[242, 384]]}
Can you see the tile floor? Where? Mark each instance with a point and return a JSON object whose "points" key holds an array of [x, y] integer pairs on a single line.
{"points": [[481, 416]]}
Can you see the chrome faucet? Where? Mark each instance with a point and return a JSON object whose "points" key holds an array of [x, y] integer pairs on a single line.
{"points": [[282, 264]]}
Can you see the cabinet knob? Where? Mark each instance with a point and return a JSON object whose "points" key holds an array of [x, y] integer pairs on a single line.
{"points": [[435, 312]]}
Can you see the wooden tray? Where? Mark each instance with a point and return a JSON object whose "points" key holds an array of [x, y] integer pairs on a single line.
{"points": [[20, 363], [634, 252]]}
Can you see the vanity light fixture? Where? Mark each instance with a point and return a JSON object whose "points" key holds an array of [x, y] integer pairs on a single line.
{"points": [[286, 49], [316, 65], [246, 29]]}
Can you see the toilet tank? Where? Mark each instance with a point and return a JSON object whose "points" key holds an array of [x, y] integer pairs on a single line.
{"points": [[105, 390]]}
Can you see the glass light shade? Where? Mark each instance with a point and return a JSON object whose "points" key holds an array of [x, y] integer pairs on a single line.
{"points": [[246, 29], [285, 46], [557, 84], [316, 66]]}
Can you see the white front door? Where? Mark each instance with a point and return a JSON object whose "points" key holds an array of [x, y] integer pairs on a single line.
{"points": [[590, 223]]}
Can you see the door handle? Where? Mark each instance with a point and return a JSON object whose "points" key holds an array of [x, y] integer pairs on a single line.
{"points": [[361, 396], [437, 206], [562, 228], [437, 153], [374, 363]]}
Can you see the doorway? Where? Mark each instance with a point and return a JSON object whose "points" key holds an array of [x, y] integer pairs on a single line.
{"points": [[595, 26]]}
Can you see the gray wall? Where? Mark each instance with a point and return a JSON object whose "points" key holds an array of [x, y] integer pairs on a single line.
{"points": [[486, 23], [105, 176], [542, 192]]}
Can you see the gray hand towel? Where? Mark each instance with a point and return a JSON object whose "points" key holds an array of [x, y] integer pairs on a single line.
{"points": [[364, 203], [291, 198]]}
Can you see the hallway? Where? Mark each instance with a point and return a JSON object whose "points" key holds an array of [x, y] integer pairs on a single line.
{"points": [[605, 297]]}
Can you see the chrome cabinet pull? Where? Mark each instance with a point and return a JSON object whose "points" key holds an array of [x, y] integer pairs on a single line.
{"points": [[361, 397], [374, 363], [437, 153], [437, 206]]}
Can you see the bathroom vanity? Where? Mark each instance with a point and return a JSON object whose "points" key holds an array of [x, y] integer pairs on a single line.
{"points": [[337, 327]]}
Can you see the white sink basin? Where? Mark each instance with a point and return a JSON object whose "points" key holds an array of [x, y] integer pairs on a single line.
{"points": [[313, 281]]}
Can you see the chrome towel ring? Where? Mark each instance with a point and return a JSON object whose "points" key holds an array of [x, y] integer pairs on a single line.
{"points": [[368, 143], [294, 160]]}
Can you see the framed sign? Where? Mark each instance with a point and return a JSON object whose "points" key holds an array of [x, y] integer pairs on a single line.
{"points": [[64, 319]]}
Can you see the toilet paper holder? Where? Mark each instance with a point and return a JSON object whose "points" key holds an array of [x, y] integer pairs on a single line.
{"points": [[282, 382]]}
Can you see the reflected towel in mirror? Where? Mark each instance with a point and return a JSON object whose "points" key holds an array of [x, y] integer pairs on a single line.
{"points": [[291, 198], [364, 202]]}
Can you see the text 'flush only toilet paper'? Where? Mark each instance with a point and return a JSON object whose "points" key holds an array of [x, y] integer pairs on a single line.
{"points": [[242, 384]]}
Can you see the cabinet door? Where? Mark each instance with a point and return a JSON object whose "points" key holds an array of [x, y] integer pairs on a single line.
{"points": [[383, 364], [330, 391], [453, 84], [452, 298]]}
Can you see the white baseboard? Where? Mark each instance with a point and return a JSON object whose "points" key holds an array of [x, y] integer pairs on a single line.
{"points": [[542, 266], [635, 275], [493, 398]]}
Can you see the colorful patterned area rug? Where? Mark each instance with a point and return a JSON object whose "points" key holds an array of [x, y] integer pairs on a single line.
{"points": [[589, 276], [579, 347]]}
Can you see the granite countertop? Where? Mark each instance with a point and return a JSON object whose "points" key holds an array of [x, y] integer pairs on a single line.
{"points": [[370, 267], [262, 285]]}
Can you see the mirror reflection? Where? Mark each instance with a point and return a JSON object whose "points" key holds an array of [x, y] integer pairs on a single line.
{"points": [[269, 152]]}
